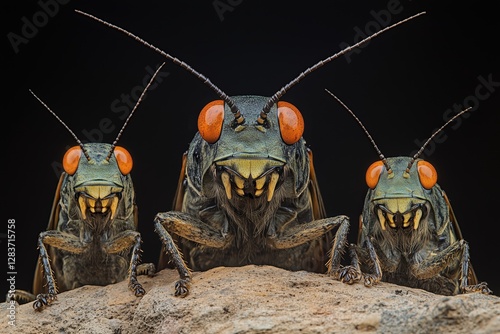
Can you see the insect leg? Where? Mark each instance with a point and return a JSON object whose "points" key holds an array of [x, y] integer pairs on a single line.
{"points": [[448, 257], [367, 256], [481, 287], [191, 228], [346, 274], [353, 254], [21, 296], [371, 279], [58, 240], [386, 265], [122, 242], [455, 255], [302, 233], [146, 269]]}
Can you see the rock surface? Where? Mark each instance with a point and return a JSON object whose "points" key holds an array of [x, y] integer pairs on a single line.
{"points": [[257, 299]]}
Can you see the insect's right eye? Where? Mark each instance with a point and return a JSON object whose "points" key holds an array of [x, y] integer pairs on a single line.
{"points": [[123, 159], [210, 121], [291, 122], [71, 159], [427, 174], [373, 173]]}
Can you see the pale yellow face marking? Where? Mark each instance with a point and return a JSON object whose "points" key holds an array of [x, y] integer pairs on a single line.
{"points": [[259, 183], [227, 184], [400, 205], [272, 185], [83, 207], [240, 183], [416, 220], [105, 194], [250, 169], [381, 219]]}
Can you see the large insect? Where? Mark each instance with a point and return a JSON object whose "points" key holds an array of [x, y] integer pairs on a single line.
{"points": [[248, 192], [408, 233], [92, 235]]}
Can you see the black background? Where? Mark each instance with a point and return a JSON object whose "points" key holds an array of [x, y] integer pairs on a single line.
{"points": [[400, 85]]}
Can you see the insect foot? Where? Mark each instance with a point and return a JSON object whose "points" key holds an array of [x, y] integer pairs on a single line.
{"points": [[480, 287], [408, 233], [346, 274], [148, 269], [43, 299]]}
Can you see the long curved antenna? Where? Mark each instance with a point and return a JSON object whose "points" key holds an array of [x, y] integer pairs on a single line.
{"points": [[283, 90], [64, 124], [238, 118], [432, 136], [381, 156], [133, 110]]}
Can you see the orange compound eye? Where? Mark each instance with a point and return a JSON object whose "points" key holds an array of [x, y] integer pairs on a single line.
{"points": [[373, 173], [210, 121], [71, 159], [124, 160], [291, 122], [427, 174]]}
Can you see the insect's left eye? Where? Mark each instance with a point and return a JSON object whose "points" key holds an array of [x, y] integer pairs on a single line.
{"points": [[210, 121], [124, 160], [373, 174], [291, 122], [427, 174], [71, 159]]}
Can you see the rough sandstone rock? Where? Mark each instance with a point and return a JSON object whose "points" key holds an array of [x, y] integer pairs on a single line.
{"points": [[258, 299]]}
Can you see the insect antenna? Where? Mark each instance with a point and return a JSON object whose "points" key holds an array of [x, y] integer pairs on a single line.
{"points": [[238, 118], [431, 137], [133, 110], [273, 99], [64, 124], [381, 156]]}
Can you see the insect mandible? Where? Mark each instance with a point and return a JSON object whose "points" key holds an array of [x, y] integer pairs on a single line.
{"points": [[408, 233], [92, 236], [248, 192]]}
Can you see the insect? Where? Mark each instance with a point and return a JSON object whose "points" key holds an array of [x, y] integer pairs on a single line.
{"points": [[408, 233], [247, 191], [92, 235]]}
